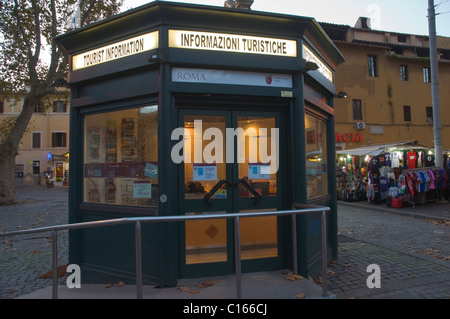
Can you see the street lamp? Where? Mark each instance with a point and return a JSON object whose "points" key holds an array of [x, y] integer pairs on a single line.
{"points": [[342, 95]]}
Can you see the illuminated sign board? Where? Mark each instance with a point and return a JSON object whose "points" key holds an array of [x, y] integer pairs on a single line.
{"points": [[309, 56], [116, 51], [231, 43]]}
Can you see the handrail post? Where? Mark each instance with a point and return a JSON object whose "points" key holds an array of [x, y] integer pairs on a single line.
{"points": [[237, 258], [324, 254], [294, 243], [138, 260], [54, 264]]}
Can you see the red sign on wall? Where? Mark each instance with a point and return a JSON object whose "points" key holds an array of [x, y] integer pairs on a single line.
{"points": [[348, 137]]}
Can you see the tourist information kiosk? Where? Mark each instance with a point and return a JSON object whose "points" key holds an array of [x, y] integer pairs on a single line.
{"points": [[181, 109]]}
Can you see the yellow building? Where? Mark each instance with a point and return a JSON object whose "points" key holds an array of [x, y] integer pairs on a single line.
{"points": [[387, 78], [45, 145]]}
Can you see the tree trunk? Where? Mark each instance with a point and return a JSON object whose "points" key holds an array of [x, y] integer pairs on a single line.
{"points": [[7, 165], [9, 150]]}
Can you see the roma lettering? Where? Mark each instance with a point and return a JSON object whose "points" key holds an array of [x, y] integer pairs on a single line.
{"points": [[191, 76]]}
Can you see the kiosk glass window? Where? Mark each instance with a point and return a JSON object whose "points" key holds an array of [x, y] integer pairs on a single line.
{"points": [[316, 165], [121, 157]]}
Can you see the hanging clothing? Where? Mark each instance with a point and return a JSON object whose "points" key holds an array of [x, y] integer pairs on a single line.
{"points": [[411, 159], [432, 179], [384, 183], [423, 181], [396, 159], [374, 165], [429, 160], [387, 159], [410, 183]]}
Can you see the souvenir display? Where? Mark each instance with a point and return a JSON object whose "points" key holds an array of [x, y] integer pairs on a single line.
{"points": [[402, 177]]}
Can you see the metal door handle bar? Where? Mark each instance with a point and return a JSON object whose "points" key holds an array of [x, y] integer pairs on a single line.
{"points": [[214, 190], [250, 188]]}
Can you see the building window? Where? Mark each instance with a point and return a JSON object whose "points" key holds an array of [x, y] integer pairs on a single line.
{"points": [[357, 110], [59, 107], [36, 167], [1, 107], [402, 38], [36, 140], [404, 72], [38, 108], [372, 64], [426, 75], [59, 139], [407, 113], [121, 157], [316, 157], [429, 113]]}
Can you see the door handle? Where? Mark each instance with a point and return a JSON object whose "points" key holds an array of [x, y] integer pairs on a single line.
{"points": [[250, 188], [214, 190]]}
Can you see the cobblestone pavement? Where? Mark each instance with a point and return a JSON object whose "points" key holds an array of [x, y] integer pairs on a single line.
{"points": [[24, 258], [413, 253]]}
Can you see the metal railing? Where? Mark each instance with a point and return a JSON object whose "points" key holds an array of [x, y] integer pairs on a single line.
{"points": [[305, 209]]}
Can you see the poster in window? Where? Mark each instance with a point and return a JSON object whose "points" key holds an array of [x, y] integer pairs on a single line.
{"points": [[142, 189]]}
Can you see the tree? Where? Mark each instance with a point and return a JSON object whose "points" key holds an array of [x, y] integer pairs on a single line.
{"points": [[30, 62]]}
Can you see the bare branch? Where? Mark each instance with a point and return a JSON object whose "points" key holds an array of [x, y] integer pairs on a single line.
{"points": [[37, 30], [55, 53], [21, 29]]}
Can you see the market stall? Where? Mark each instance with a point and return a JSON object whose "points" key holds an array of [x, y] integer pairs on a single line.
{"points": [[399, 174]]}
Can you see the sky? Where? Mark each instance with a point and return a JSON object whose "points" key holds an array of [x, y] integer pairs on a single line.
{"points": [[402, 16]]}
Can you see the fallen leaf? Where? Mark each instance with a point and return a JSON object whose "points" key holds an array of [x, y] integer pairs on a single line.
{"points": [[108, 285], [293, 277], [299, 296], [61, 271], [120, 284], [35, 252], [205, 284]]}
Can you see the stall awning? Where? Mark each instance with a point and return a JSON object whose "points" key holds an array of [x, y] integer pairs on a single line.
{"points": [[374, 150]]}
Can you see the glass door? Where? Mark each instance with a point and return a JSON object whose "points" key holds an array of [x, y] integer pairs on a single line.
{"points": [[231, 164], [206, 188]]}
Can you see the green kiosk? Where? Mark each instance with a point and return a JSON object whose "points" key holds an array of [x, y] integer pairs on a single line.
{"points": [[180, 109]]}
